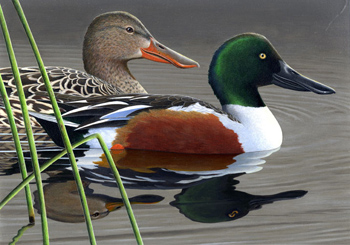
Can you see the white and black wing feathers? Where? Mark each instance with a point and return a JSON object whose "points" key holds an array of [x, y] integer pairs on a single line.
{"points": [[117, 110]]}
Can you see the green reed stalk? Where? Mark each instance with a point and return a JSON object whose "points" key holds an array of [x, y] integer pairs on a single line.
{"points": [[20, 233], [16, 140], [28, 127], [121, 189], [60, 122]]}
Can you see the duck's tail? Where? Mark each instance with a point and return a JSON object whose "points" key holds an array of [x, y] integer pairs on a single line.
{"points": [[50, 125]]}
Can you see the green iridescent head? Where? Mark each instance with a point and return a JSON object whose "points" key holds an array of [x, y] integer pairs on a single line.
{"points": [[240, 66], [248, 61]]}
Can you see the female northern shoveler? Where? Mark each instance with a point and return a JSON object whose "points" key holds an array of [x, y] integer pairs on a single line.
{"points": [[111, 40], [182, 124]]}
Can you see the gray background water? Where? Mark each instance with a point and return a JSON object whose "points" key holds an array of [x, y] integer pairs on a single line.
{"points": [[312, 36]]}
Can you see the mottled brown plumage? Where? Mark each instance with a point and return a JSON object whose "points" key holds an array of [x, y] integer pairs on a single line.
{"points": [[111, 40]]}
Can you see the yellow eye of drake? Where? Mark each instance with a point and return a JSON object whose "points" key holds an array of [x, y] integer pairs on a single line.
{"points": [[262, 56], [233, 214]]}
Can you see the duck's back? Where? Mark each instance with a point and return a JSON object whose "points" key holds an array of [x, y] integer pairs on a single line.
{"points": [[63, 80]]}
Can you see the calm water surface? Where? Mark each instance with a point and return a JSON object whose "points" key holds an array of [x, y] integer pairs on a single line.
{"points": [[192, 199]]}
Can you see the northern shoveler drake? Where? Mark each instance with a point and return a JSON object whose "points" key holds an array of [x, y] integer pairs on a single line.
{"points": [[111, 40], [182, 124]]}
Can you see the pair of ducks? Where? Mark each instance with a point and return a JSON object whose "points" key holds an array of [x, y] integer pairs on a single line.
{"points": [[128, 117]]}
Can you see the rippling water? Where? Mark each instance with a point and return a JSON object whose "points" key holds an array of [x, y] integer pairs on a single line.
{"points": [[312, 36]]}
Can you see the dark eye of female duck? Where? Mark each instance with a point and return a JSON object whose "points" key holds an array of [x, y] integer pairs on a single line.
{"points": [[96, 214], [129, 29]]}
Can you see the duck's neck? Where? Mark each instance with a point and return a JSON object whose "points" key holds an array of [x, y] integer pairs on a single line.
{"points": [[115, 73], [234, 90]]}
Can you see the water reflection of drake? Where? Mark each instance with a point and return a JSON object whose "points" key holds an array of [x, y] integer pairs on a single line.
{"points": [[217, 200], [162, 170], [208, 184]]}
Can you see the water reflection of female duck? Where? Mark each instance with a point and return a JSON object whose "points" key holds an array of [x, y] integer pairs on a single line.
{"points": [[111, 40], [187, 125], [63, 202]]}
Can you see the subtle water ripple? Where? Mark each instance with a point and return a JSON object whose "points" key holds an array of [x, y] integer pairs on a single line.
{"points": [[315, 152]]}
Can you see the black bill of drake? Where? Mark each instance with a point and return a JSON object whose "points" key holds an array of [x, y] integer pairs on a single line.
{"points": [[290, 79], [160, 53]]}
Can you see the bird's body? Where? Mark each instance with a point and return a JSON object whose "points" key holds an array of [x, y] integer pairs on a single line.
{"points": [[110, 42], [182, 124]]}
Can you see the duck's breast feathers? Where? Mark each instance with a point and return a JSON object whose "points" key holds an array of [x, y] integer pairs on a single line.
{"points": [[168, 130]]}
